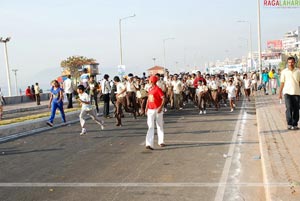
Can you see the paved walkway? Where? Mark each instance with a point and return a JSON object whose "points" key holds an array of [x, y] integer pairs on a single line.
{"points": [[279, 147]]}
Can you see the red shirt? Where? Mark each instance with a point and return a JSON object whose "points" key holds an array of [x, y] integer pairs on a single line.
{"points": [[197, 79], [27, 92], [155, 96]]}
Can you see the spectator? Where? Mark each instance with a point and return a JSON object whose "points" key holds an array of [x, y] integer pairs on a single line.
{"points": [[290, 88], [2, 102], [37, 93], [32, 92], [28, 93]]}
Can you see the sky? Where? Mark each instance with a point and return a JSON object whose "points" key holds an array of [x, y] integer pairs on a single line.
{"points": [[43, 33]]}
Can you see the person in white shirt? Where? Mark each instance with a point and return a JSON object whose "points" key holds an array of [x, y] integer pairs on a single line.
{"points": [[238, 84], [69, 89], [224, 95], [177, 89], [169, 91], [231, 90], [37, 93], [247, 86], [202, 94], [131, 88], [254, 82], [214, 86], [121, 100], [105, 86], [86, 109], [290, 88]]}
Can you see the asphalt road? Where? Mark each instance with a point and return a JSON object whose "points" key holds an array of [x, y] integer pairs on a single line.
{"points": [[207, 157]]}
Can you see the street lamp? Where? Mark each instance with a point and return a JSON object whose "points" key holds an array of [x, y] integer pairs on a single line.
{"points": [[250, 40], [153, 61], [2, 40], [16, 82], [164, 43], [120, 35]]}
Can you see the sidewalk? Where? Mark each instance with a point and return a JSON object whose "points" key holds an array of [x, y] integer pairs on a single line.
{"points": [[280, 150], [23, 107]]}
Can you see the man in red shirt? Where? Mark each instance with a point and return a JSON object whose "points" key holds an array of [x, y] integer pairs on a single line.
{"points": [[154, 112], [199, 78], [28, 93]]}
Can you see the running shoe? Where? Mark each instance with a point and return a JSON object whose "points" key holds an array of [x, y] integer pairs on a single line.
{"points": [[83, 132], [49, 123]]}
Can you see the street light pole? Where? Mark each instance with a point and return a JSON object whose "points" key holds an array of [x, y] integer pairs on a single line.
{"points": [[16, 82], [6, 61], [164, 44], [250, 41], [120, 36], [259, 37]]}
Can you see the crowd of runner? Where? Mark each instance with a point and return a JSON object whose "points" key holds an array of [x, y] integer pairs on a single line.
{"points": [[130, 93]]}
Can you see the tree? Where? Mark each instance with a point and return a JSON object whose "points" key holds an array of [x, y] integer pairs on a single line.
{"points": [[74, 63]]}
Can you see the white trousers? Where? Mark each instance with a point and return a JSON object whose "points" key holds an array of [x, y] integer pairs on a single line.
{"points": [[153, 115], [93, 115]]}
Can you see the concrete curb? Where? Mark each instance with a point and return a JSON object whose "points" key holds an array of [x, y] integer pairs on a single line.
{"points": [[24, 109], [22, 129], [25, 128], [264, 153]]}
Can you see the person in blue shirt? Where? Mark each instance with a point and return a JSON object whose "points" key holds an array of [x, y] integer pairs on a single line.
{"points": [[56, 101], [84, 78], [265, 80]]}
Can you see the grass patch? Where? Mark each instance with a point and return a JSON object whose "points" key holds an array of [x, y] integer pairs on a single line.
{"points": [[34, 116]]}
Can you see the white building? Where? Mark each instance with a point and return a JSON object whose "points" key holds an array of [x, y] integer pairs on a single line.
{"points": [[290, 42]]}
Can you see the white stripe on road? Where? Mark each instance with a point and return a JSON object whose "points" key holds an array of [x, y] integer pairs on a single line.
{"points": [[203, 184], [226, 169]]}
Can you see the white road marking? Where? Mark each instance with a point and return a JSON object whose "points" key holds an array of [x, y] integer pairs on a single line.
{"points": [[153, 185], [226, 169]]}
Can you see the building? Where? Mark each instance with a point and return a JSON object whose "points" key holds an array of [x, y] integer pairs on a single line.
{"points": [[156, 69], [291, 40]]}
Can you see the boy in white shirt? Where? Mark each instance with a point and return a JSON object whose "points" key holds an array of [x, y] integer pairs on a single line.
{"points": [[86, 109], [231, 90], [202, 92]]}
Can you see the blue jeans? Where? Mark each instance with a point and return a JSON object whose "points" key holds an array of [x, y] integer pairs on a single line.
{"points": [[54, 106], [292, 109]]}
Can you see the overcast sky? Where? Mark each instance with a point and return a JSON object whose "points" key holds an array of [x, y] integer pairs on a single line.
{"points": [[43, 33]]}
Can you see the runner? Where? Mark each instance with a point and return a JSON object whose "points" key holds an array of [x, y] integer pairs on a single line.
{"points": [[231, 90], [56, 101], [86, 109]]}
